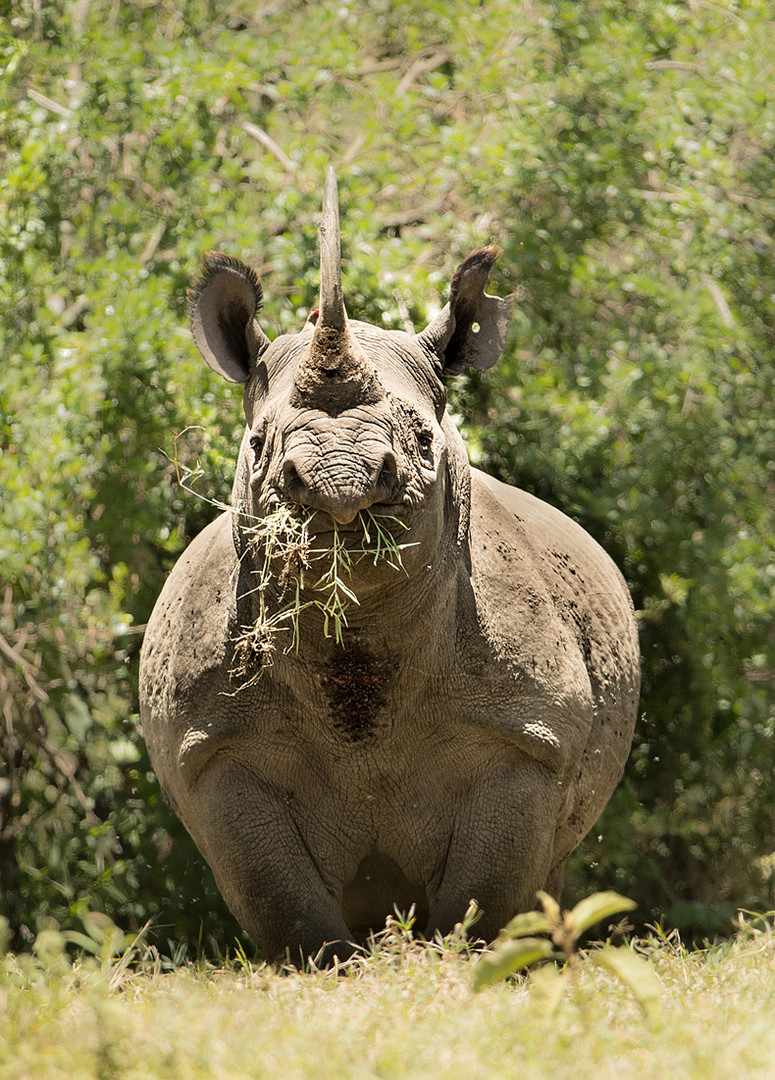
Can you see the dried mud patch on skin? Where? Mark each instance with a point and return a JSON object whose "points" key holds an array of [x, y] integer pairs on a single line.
{"points": [[356, 685], [335, 375], [408, 422]]}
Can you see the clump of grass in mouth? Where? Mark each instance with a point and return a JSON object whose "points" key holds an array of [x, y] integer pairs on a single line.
{"points": [[283, 539]]}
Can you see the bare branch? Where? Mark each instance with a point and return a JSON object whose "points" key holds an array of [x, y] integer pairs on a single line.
{"points": [[49, 103], [422, 67], [269, 144], [153, 241], [26, 668]]}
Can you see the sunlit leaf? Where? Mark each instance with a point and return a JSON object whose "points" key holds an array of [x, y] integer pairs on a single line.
{"points": [[547, 986], [598, 906], [98, 926], [507, 958], [550, 906], [526, 924], [635, 972], [83, 941]]}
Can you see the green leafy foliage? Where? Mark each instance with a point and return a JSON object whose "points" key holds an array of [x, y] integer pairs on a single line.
{"points": [[622, 156]]}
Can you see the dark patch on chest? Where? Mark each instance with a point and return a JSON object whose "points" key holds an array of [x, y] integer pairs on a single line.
{"points": [[356, 686]]}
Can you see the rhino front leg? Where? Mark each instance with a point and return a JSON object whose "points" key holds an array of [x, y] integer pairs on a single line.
{"points": [[500, 849], [263, 868]]}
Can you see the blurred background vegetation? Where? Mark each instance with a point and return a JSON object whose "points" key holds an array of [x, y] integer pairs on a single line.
{"points": [[622, 155]]}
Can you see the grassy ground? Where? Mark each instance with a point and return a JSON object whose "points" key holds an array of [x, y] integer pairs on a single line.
{"points": [[408, 1012]]}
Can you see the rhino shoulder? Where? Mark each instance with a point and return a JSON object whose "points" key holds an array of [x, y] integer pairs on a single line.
{"points": [[544, 555], [555, 607], [190, 629], [536, 570]]}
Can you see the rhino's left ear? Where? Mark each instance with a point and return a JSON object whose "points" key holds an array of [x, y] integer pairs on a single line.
{"points": [[470, 330], [223, 304]]}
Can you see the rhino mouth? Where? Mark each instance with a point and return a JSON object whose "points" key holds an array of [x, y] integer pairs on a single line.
{"points": [[369, 527], [304, 559]]}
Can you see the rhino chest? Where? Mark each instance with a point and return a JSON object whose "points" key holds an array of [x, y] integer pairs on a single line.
{"points": [[354, 693]]}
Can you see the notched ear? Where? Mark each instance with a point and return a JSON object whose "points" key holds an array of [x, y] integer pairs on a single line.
{"points": [[470, 331], [222, 307]]}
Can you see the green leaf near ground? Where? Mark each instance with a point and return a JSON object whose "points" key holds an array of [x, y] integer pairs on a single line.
{"points": [[527, 924], [593, 909], [507, 958], [636, 974]]}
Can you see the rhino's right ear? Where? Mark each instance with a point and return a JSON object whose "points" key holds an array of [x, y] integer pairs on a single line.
{"points": [[223, 304]]}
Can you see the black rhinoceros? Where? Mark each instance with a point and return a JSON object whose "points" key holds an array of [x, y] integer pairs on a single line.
{"points": [[461, 734]]}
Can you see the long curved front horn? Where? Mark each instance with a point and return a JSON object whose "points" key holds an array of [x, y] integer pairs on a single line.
{"points": [[332, 310], [334, 375]]}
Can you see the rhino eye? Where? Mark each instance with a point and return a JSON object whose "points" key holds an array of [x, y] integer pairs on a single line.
{"points": [[257, 445], [425, 443]]}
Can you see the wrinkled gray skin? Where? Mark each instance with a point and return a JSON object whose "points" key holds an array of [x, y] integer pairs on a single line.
{"points": [[477, 720]]}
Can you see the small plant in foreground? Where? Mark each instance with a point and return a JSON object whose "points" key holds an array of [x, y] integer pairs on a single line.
{"points": [[397, 942], [519, 948], [398, 934]]}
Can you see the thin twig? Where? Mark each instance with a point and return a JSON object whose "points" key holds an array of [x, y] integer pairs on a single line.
{"points": [[422, 67], [26, 668], [269, 144], [49, 103], [719, 300], [153, 241]]}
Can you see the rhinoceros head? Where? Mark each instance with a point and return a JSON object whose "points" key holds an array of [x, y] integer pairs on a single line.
{"points": [[344, 416]]}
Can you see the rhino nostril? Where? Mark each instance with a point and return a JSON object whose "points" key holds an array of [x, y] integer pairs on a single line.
{"points": [[388, 477], [295, 488]]}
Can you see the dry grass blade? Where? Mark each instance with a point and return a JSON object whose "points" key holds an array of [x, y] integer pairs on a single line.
{"points": [[281, 546]]}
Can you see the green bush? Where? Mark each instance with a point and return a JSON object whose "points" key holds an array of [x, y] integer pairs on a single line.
{"points": [[621, 154]]}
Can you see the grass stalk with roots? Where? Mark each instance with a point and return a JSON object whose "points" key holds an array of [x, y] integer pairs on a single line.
{"points": [[291, 575]]}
